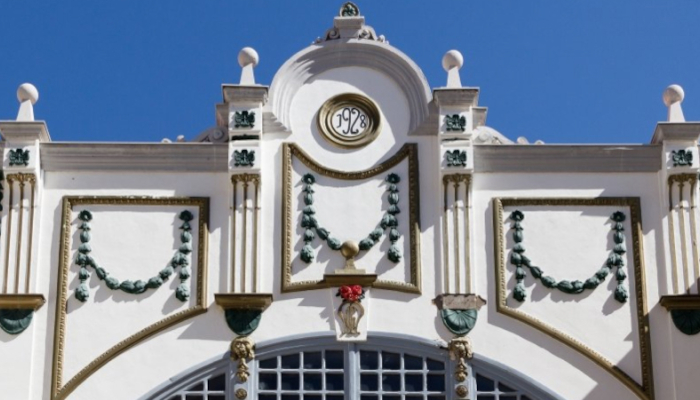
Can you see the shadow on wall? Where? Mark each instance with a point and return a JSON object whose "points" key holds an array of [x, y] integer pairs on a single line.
{"points": [[606, 382]]}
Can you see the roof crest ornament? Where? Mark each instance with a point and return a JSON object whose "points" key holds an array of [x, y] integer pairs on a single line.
{"points": [[350, 24]]}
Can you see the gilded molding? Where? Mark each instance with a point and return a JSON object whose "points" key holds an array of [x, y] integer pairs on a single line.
{"points": [[243, 301], [409, 151], [645, 390], [22, 301], [59, 390]]}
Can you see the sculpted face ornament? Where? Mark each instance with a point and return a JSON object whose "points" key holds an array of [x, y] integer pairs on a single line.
{"points": [[349, 120], [460, 349], [242, 350]]}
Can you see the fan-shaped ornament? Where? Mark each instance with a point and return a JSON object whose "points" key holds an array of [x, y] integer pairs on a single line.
{"points": [[15, 321], [687, 321], [459, 322]]}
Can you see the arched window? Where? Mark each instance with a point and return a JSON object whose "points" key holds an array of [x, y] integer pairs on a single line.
{"points": [[386, 367]]}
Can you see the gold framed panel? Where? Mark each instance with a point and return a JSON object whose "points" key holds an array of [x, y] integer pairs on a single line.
{"points": [[59, 390], [408, 151], [645, 390]]}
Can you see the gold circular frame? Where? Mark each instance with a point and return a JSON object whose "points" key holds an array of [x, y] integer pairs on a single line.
{"points": [[325, 120]]}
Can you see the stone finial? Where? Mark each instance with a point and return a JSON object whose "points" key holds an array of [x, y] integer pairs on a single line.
{"points": [[27, 95], [673, 97], [248, 59], [452, 61]]}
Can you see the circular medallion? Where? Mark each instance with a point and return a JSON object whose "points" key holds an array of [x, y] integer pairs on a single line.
{"points": [[349, 120]]}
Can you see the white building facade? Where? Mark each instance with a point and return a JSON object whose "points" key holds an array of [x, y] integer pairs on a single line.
{"points": [[349, 232]]}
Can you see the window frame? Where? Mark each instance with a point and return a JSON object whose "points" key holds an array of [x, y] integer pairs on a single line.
{"points": [[388, 342]]}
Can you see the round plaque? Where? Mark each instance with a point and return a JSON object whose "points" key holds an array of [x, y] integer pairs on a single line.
{"points": [[349, 120]]}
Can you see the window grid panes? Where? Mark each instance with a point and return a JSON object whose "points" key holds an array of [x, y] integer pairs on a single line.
{"points": [[488, 388], [213, 388], [387, 375], [308, 375]]}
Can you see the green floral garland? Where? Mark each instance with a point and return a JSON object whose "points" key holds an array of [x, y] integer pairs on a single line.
{"points": [[389, 221], [616, 259], [134, 287]]}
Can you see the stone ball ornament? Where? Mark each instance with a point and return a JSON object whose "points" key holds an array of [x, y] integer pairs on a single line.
{"points": [[27, 91], [248, 56], [452, 59], [349, 249], [673, 94]]}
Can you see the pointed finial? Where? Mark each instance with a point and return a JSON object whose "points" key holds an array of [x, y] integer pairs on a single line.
{"points": [[248, 59], [673, 97], [28, 95], [452, 61]]}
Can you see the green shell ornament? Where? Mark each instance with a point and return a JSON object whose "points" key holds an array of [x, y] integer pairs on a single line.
{"points": [[15, 321], [243, 322], [459, 322]]}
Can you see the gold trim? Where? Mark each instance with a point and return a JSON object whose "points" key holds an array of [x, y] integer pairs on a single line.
{"points": [[445, 246], [409, 151], [20, 220], [325, 120], [646, 389], [60, 391], [337, 280], [245, 235], [672, 238], [243, 301], [8, 231], [684, 242], [30, 240], [467, 235], [234, 211], [680, 302], [256, 222], [22, 301], [455, 221], [693, 229]]}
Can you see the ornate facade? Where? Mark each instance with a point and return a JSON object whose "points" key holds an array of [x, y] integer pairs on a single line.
{"points": [[347, 232]]}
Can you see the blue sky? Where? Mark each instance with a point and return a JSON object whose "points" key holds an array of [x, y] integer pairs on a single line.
{"points": [[561, 71]]}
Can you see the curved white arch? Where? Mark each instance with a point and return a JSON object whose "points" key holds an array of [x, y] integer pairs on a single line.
{"points": [[378, 56]]}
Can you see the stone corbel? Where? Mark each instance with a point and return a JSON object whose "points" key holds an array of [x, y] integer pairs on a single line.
{"points": [[17, 311], [243, 311], [685, 312]]}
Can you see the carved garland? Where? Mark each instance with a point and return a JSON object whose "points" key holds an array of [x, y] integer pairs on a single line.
{"points": [[60, 389], [519, 260], [180, 260], [645, 389], [408, 151], [389, 221]]}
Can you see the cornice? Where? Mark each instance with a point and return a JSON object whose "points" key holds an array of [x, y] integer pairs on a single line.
{"points": [[567, 158], [142, 157]]}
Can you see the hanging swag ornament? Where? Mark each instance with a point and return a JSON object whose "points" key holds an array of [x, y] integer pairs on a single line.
{"points": [[389, 221], [83, 259], [615, 260]]}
